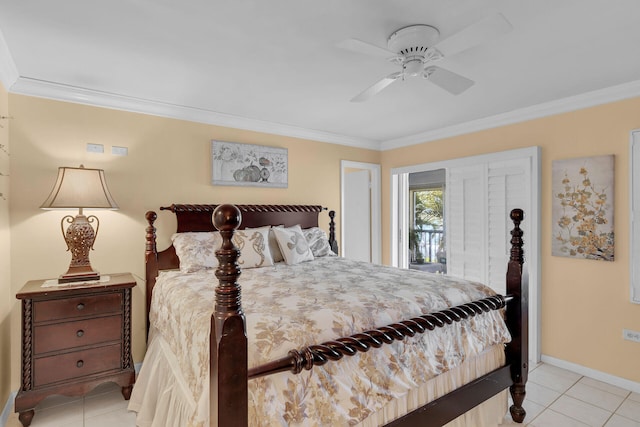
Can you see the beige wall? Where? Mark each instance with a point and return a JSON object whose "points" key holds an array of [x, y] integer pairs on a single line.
{"points": [[168, 161], [585, 304], [7, 301]]}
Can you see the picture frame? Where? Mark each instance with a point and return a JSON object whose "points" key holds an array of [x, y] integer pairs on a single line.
{"points": [[238, 164], [582, 208]]}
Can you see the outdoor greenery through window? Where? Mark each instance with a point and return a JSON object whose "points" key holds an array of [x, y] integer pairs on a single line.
{"points": [[426, 236]]}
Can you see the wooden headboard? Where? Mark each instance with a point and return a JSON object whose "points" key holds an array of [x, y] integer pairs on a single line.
{"points": [[197, 218]]}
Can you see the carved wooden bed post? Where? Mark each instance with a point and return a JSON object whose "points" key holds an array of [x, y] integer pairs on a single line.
{"points": [[517, 351], [151, 259], [228, 345], [332, 232]]}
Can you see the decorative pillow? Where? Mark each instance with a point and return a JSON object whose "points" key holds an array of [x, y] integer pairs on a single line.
{"points": [[293, 245], [318, 242], [196, 250], [254, 247], [273, 246]]}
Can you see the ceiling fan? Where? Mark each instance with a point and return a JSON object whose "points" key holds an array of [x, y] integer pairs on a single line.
{"points": [[416, 46]]}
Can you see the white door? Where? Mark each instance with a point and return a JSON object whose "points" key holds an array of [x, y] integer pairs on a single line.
{"points": [[360, 208], [480, 200], [357, 215], [464, 233]]}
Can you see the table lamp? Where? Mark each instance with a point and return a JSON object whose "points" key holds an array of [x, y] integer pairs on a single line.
{"points": [[79, 188]]}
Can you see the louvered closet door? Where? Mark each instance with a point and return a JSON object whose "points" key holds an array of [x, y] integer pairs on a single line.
{"points": [[480, 198], [465, 227], [507, 188]]}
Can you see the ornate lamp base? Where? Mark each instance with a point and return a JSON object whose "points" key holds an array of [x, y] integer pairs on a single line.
{"points": [[79, 237], [78, 277]]}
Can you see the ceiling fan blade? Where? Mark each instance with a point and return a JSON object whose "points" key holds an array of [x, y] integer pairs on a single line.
{"points": [[447, 80], [475, 34], [359, 46], [376, 87]]}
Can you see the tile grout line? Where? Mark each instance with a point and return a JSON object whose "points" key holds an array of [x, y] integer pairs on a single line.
{"points": [[548, 407], [599, 407]]}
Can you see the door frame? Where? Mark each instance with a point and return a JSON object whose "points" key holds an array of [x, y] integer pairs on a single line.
{"points": [[399, 212], [376, 206]]}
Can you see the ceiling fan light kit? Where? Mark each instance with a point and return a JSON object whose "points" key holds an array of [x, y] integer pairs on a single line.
{"points": [[415, 46]]}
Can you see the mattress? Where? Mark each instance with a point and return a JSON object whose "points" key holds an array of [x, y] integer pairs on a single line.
{"points": [[290, 307]]}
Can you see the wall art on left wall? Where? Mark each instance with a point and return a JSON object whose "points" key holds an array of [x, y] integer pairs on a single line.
{"points": [[249, 165]]}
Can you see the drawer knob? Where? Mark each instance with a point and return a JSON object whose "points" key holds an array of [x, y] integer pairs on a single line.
{"points": [[80, 306], [80, 363], [80, 333]]}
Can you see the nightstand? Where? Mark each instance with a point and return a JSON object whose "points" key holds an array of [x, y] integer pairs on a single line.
{"points": [[74, 337]]}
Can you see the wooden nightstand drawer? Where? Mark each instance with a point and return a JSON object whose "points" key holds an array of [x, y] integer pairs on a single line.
{"points": [[89, 305], [59, 336], [76, 364]]}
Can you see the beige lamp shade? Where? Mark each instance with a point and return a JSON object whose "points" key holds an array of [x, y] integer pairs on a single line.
{"points": [[80, 188]]}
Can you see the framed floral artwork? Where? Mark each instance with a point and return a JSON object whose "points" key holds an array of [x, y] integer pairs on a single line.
{"points": [[249, 165], [582, 208]]}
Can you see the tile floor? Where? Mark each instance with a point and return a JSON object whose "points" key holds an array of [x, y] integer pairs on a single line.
{"points": [[555, 398]]}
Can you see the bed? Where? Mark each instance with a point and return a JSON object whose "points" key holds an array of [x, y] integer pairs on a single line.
{"points": [[439, 358]]}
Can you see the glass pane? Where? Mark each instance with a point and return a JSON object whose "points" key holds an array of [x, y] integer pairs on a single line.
{"points": [[426, 236]]}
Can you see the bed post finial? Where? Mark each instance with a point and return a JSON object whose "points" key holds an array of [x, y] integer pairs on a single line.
{"points": [[228, 343], [227, 218], [151, 217], [332, 232], [517, 215]]}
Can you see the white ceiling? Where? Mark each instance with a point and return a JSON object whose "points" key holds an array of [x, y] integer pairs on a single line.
{"points": [[274, 65]]}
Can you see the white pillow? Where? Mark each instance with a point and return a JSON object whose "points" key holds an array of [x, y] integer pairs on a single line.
{"points": [[273, 246], [293, 245], [318, 242], [254, 247], [197, 250]]}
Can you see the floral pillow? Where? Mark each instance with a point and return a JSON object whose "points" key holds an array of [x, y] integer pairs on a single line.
{"points": [[318, 242], [197, 250], [254, 247], [293, 245]]}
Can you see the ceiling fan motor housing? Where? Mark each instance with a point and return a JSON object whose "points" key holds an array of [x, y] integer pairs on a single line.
{"points": [[411, 44], [413, 40]]}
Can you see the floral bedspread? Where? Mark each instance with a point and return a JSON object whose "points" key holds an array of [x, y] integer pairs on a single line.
{"points": [[290, 307]]}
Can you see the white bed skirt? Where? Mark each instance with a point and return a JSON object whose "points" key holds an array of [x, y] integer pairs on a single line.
{"points": [[161, 398]]}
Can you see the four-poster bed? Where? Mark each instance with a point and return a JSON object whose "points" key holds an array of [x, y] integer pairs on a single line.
{"points": [[233, 373]]}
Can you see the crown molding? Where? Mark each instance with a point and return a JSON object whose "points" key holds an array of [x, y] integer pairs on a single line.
{"points": [[8, 70], [572, 103], [60, 92]]}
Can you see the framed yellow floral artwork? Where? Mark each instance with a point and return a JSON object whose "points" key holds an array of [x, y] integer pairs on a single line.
{"points": [[582, 208]]}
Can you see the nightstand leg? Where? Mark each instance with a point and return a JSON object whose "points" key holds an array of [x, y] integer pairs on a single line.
{"points": [[26, 417], [126, 392]]}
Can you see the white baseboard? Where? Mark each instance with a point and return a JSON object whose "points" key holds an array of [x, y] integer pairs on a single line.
{"points": [[592, 373], [8, 408]]}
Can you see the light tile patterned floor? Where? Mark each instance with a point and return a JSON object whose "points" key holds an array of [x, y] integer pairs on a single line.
{"points": [[555, 398]]}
